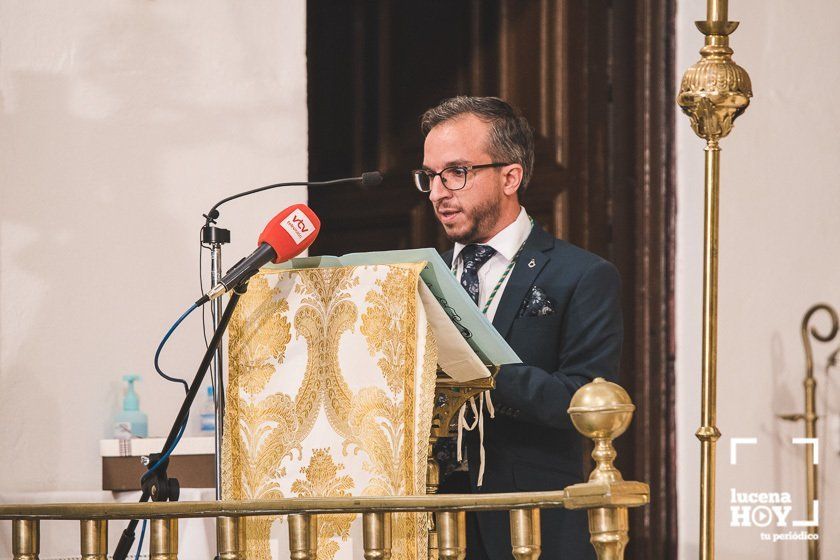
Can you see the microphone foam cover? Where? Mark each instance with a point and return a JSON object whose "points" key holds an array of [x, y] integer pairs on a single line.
{"points": [[291, 231], [371, 178]]}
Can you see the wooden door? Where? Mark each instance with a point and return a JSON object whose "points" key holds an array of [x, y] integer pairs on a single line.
{"points": [[595, 80]]}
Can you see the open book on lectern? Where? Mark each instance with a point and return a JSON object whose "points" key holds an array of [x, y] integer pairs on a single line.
{"points": [[468, 344]]}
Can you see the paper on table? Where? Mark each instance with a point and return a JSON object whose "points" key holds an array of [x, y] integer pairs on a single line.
{"points": [[455, 356]]}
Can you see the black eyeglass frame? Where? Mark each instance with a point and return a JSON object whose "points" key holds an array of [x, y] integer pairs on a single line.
{"points": [[431, 175]]}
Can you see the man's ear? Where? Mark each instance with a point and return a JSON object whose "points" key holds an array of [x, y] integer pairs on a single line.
{"points": [[512, 175]]}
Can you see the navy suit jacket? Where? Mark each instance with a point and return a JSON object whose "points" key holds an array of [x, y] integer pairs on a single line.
{"points": [[531, 444]]}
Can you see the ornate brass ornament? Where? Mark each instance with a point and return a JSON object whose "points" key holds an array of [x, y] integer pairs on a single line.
{"points": [[714, 92]]}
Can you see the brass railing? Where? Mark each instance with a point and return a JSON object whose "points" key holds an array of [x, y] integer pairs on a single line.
{"points": [[600, 411]]}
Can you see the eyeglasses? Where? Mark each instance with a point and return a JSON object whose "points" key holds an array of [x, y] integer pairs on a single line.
{"points": [[454, 178]]}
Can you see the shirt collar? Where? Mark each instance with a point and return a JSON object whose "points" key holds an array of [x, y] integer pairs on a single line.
{"points": [[508, 241]]}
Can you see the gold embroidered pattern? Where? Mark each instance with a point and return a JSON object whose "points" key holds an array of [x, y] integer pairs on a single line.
{"points": [[384, 325], [322, 479], [378, 421], [259, 346]]}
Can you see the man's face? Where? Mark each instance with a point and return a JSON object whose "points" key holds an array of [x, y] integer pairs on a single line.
{"points": [[471, 214]]}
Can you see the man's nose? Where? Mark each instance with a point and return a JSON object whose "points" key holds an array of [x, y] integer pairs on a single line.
{"points": [[437, 191]]}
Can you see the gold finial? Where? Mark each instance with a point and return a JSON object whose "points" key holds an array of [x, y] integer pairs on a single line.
{"points": [[602, 411]]}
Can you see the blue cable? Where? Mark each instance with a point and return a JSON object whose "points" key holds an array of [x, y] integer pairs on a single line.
{"points": [[172, 447], [192, 308], [140, 542], [169, 451], [155, 466]]}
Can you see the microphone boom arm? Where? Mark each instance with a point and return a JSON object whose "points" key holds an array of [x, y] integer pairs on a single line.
{"points": [[370, 178]]}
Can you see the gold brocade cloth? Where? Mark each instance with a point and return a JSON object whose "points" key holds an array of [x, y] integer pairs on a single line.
{"points": [[330, 393]]}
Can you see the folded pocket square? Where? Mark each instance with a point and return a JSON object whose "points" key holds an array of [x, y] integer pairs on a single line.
{"points": [[536, 304]]}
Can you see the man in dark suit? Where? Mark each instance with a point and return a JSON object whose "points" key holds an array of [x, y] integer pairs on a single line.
{"points": [[556, 304]]}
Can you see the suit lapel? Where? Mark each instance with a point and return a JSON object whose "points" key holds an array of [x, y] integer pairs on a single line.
{"points": [[533, 259], [447, 257]]}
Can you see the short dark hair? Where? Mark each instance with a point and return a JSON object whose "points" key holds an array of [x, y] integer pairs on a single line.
{"points": [[511, 137]]}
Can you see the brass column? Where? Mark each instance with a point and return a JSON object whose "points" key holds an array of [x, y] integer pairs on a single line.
{"points": [[163, 539], [376, 535], [451, 535], [94, 536], [525, 537], [26, 539], [713, 93], [231, 537], [303, 536]]}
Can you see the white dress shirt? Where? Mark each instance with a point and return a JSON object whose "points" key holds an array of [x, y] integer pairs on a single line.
{"points": [[506, 243]]}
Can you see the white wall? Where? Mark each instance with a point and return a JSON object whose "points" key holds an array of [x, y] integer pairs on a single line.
{"points": [[123, 121], [780, 226]]}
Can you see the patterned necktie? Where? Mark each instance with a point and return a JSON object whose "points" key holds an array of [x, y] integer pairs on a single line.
{"points": [[474, 257]]}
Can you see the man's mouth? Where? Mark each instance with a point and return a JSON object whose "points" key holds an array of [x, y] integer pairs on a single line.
{"points": [[447, 216]]}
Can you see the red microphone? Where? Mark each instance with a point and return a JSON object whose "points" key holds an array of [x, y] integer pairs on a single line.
{"points": [[286, 236], [290, 232]]}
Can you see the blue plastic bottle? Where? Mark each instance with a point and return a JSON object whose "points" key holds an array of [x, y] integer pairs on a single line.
{"points": [[131, 422], [208, 414]]}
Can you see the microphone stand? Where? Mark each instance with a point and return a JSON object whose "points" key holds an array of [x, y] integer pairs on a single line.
{"points": [[215, 237], [157, 485]]}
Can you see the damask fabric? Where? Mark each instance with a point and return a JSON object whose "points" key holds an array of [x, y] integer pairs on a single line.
{"points": [[331, 387]]}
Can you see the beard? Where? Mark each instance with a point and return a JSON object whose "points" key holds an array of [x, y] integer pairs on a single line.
{"points": [[480, 220]]}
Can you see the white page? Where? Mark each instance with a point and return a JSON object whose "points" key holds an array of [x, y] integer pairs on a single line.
{"points": [[455, 356]]}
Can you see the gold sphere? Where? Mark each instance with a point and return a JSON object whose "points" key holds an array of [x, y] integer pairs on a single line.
{"points": [[601, 410]]}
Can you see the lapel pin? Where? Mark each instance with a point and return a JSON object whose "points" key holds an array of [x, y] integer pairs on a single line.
{"points": [[532, 263]]}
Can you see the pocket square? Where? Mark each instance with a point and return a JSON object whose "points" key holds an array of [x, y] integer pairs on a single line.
{"points": [[536, 304]]}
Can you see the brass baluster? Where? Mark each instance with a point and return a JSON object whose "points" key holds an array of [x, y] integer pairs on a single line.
{"points": [[525, 533], [26, 539], [163, 540], [451, 535], [609, 528], [432, 484], [376, 532], [432, 538], [94, 536], [303, 536], [230, 537]]}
